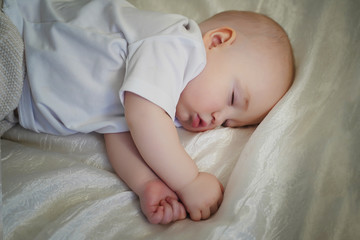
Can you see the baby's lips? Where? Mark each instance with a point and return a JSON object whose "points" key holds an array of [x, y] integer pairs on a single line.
{"points": [[198, 122], [195, 121], [203, 123]]}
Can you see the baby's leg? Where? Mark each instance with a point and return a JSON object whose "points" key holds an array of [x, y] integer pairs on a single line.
{"points": [[158, 202]]}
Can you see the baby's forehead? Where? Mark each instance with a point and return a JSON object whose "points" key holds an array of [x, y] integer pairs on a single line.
{"points": [[264, 68], [274, 58]]}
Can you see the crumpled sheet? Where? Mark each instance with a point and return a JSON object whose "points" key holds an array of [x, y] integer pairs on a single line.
{"points": [[296, 176]]}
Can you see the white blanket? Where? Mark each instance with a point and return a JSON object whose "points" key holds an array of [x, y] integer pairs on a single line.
{"points": [[296, 176]]}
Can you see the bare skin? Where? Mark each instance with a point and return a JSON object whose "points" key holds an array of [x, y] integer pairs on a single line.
{"points": [[200, 193], [158, 202], [246, 83]]}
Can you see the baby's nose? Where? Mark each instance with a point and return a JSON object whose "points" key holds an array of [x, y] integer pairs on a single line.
{"points": [[217, 118], [220, 117]]}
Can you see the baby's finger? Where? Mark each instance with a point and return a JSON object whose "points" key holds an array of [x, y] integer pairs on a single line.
{"points": [[205, 213], [182, 212], [195, 215], [178, 209], [156, 216], [168, 213], [175, 208]]}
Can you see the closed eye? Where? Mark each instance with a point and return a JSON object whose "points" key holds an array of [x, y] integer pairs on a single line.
{"points": [[224, 124]]}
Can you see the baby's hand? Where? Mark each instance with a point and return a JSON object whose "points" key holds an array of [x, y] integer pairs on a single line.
{"points": [[160, 204], [202, 197]]}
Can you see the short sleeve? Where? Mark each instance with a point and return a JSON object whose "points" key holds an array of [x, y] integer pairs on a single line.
{"points": [[159, 67]]}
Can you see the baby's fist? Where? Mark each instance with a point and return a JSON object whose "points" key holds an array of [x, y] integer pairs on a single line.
{"points": [[202, 197]]}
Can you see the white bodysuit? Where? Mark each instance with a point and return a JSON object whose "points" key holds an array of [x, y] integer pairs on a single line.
{"points": [[81, 57]]}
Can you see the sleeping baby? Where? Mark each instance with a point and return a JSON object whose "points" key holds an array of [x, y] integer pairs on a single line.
{"points": [[104, 66]]}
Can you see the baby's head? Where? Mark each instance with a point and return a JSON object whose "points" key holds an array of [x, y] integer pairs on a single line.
{"points": [[249, 68]]}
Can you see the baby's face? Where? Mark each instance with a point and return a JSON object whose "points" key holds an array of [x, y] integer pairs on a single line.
{"points": [[236, 88]]}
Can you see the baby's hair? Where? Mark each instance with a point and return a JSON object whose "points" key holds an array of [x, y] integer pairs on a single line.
{"points": [[258, 28]]}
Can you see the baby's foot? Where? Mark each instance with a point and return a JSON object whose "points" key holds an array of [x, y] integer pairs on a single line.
{"points": [[160, 204]]}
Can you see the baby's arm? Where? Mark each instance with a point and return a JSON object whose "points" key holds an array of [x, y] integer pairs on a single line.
{"points": [[156, 139], [158, 202]]}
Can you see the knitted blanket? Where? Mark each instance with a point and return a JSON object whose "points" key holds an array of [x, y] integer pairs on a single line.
{"points": [[11, 71]]}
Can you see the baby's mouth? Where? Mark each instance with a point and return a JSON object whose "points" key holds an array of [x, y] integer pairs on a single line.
{"points": [[195, 121], [198, 122]]}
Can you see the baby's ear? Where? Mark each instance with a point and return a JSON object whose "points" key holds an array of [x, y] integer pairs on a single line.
{"points": [[219, 37]]}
